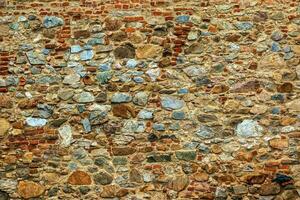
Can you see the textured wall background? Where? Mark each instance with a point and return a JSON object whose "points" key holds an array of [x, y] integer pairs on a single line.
{"points": [[149, 99]]}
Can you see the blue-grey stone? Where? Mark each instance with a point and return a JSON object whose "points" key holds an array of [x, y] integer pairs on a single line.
{"points": [[178, 115], [36, 122], [275, 47], [275, 110], [174, 126], [87, 47], [278, 97], [12, 81], [133, 126], [203, 148], [86, 125], [46, 51], [35, 70], [95, 41], [249, 128], [145, 114], [65, 133], [234, 47], [26, 47], [72, 166], [288, 55], [86, 55], [131, 63], [244, 26], [97, 116], [121, 97], [84, 97], [52, 21], [22, 19], [158, 127], [48, 79], [183, 18], [195, 70], [141, 98], [276, 36], [183, 91], [79, 154], [98, 35], [287, 49], [138, 79], [31, 17], [35, 58], [76, 49], [171, 103], [104, 77], [71, 79], [105, 67], [80, 107], [153, 73], [45, 111], [205, 132]]}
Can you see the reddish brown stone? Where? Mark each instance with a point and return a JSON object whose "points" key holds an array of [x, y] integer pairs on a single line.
{"points": [[29, 189], [178, 183], [79, 178], [279, 143], [285, 88], [201, 176], [255, 178], [28, 104], [81, 34], [111, 24], [123, 110], [123, 151], [245, 87], [269, 189], [5, 102]]}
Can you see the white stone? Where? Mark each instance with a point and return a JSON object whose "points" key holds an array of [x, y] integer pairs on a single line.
{"points": [[65, 133], [249, 128]]}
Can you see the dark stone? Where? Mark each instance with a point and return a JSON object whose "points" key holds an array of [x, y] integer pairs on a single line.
{"points": [[4, 195], [283, 179], [277, 97], [173, 137], [57, 122], [152, 137], [68, 189], [125, 51], [118, 36], [186, 155], [84, 189], [53, 191], [159, 158], [203, 81], [101, 161], [111, 127], [101, 97], [207, 118], [102, 178]]}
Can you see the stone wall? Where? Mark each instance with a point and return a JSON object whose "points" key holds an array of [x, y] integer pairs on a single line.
{"points": [[149, 99]]}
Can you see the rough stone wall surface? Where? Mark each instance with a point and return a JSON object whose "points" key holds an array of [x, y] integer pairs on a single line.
{"points": [[150, 99]]}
